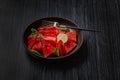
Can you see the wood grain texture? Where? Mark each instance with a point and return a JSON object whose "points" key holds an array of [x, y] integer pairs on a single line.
{"points": [[99, 57]]}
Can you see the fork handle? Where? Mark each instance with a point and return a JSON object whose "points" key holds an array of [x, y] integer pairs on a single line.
{"points": [[93, 30]]}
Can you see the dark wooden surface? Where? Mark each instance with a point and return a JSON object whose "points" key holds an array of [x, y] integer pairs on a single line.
{"points": [[100, 59]]}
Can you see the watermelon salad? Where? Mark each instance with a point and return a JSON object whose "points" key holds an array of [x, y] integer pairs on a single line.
{"points": [[49, 41]]}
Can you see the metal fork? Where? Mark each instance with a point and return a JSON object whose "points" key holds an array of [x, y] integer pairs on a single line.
{"points": [[52, 23]]}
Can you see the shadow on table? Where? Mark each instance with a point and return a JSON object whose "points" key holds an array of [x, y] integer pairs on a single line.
{"points": [[74, 60]]}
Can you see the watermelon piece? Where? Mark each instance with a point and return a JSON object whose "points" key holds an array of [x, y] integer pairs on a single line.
{"points": [[62, 51], [37, 46], [50, 38], [47, 48], [69, 46], [49, 30], [59, 43], [71, 36], [49, 34], [31, 42]]}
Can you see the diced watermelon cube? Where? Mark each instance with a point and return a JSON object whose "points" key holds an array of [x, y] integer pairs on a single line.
{"points": [[69, 46], [37, 46], [31, 42], [47, 48], [50, 38], [62, 51], [71, 36], [59, 43], [49, 30]]}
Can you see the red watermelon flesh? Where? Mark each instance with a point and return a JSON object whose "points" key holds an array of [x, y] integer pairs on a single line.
{"points": [[37, 46], [59, 43], [49, 30], [47, 48], [69, 46], [31, 42], [71, 36], [54, 35], [62, 51], [50, 39]]}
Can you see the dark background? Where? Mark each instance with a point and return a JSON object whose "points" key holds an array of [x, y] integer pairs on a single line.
{"points": [[99, 57]]}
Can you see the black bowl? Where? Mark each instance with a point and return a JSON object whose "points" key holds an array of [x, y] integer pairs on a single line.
{"points": [[63, 21]]}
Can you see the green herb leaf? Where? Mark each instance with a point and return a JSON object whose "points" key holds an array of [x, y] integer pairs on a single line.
{"points": [[56, 52], [34, 34], [64, 28], [35, 52], [33, 30], [40, 36]]}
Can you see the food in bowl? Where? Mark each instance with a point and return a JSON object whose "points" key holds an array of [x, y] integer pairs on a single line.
{"points": [[49, 41]]}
